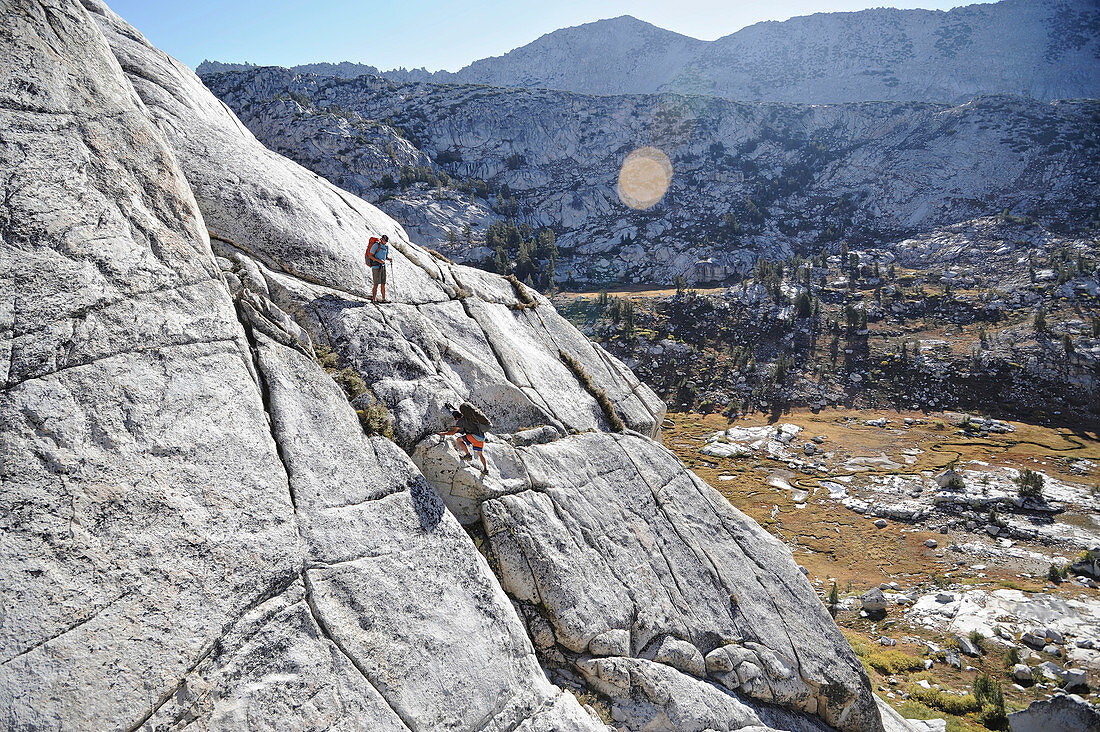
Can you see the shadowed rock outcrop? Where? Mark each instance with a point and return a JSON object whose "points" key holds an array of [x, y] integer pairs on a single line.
{"points": [[197, 529]]}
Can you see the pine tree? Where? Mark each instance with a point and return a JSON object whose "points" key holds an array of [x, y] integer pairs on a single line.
{"points": [[523, 259], [802, 305]]}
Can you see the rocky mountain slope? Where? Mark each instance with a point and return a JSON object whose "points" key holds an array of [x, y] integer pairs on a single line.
{"points": [[1046, 50], [748, 180], [200, 529]]}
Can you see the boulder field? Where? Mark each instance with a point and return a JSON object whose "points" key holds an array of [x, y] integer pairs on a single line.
{"points": [[195, 527]]}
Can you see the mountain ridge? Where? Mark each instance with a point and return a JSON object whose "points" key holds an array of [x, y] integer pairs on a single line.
{"points": [[751, 180], [1047, 51]]}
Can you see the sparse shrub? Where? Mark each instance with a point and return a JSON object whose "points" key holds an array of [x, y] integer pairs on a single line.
{"points": [[1054, 573], [326, 358], [524, 297], [977, 639], [610, 413], [1012, 657], [955, 483], [376, 419], [351, 382], [991, 700], [681, 283], [943, 701], [1029, 484], [587, 698], [834, 599], [885, 661]]}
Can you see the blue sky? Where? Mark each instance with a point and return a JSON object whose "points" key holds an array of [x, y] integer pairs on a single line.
{"points": [[436, 34]]}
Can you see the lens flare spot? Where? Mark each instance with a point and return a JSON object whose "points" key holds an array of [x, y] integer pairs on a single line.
{"points": [[644, 177]]}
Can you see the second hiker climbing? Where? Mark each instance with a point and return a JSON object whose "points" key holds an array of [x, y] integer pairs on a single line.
{"points": [[470, 426], [376, 256]]}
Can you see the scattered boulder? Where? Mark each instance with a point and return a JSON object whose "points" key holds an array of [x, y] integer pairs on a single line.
{"points": [[968, 647], [1033, 638], [953, 659], [882, 523], [1075, 680], [1051, 671], [1022, 673], [1089, 569], [928, 725], [874, 601], [931, 543], [949, 479], [1063, 712]]}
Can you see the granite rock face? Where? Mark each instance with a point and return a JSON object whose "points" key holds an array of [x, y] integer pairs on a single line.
{"points": [[196, 528], [144, 506], [668, 565]]}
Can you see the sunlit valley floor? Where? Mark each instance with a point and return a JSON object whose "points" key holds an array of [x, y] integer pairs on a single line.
{"points": [[857, 501]]}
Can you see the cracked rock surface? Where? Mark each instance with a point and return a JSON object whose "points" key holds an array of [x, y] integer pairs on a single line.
{"points": [[625, 553], [196, 531]]}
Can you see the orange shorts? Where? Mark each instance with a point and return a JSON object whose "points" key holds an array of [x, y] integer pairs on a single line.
{"points": [[475, 441]]}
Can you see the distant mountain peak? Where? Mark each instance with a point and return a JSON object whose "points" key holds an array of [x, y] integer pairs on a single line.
{"points": [[1043, 50]]}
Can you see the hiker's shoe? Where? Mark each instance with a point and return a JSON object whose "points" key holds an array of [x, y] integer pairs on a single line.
{"points": [[484, 470], [467, 457]]}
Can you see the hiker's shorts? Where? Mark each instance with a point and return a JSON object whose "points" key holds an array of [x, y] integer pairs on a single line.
{"points": [[475, 441], [378, 274]]}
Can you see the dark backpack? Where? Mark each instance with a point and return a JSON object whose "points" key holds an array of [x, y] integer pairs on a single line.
{"points": [[474, 415]]}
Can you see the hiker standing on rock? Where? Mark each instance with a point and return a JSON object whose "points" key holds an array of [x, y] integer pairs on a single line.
{"points": [[378, 253], [470, 425]]}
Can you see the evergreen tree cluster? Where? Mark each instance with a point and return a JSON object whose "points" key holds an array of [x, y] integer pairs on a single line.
{"points": [[520, 250]]}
